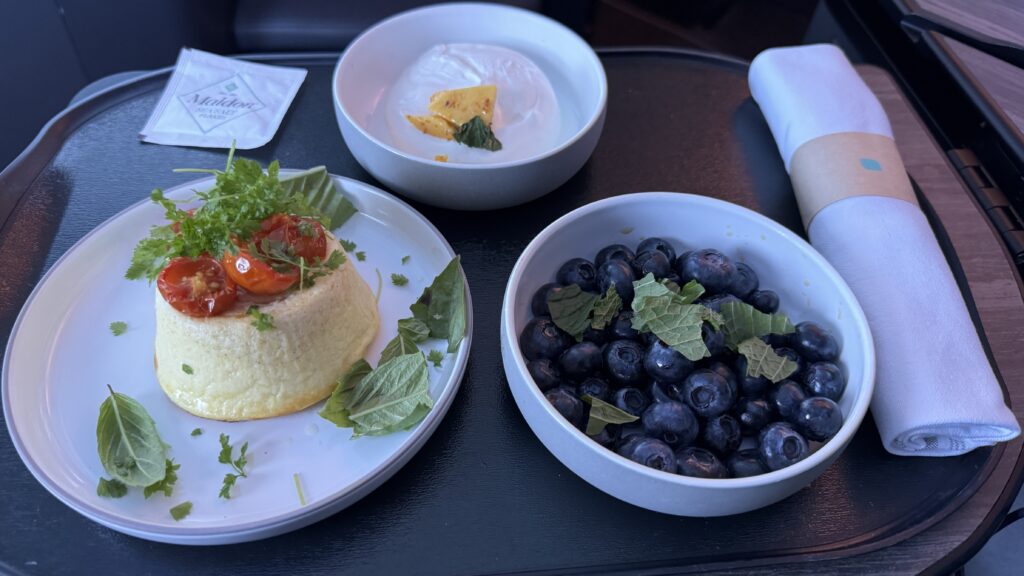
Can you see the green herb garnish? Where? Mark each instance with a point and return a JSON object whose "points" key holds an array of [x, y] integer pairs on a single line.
{"points": [[197, 432], [414, 329], [167, 484], [405, 260], [298, 489], [668, 315], [237, 464], [261, 320], [571, 308], [111, 488], [442, 305], [361, 256], [347, 245], [394, 396], [398, 346], [181, 511], [118, 328], [606, 308], [187, 369], [435, 357], [129, 446], [742, 322], [762, 360], [603, 414], [321, 193], [477, 134], [398, 279]]}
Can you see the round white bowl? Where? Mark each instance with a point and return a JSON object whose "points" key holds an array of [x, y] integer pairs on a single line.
{"points": [[809, 289], [374, 60]]}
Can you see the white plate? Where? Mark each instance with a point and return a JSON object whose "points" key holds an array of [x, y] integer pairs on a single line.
{"points": [[61, 355]]}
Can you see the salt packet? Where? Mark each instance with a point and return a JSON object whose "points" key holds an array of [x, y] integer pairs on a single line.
{"points": [[211, 102]]}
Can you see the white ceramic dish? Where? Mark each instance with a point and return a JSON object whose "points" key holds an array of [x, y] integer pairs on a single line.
{"points": [[808, 287], [374, 61], [61, 355]]}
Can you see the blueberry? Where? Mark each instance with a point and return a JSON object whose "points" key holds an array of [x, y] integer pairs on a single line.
{"points": [[708, 393], [671, 422], [614, 252], [624, 363], [659, 392], [764, 300], [801, 363], [819, 418], [652, 262], [621, 327], [825, 379], [617, 273], [649, 452], [544, 373], [715, 302], [664, 363], [786, 399], [596, 336], [730, 377], [780, 445], [814, 342], [578, 271], [539, 304], [712, 269], [608, 436], [722, 434], [568, 405], [745, 463], [700, 463], [750, 386], [744, 281], [713, 339], [753, 414], [595, 387], [631, 400], [659, 245], [581, 360], [542, 339]]}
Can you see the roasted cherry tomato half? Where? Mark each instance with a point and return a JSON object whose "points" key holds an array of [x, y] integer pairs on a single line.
{"points": [[298, 237], [257, 276], [197, 286], [304, 236]]}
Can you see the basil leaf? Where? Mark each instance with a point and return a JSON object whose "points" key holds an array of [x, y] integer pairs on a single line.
{"points": [[335, 409], [603, 413], [167, 484], [181, 511], [442, 306], [398, 346], [129, 446], [322, 194], [111, 488], [413, 329], [742, 322], [570, 309], [390, 396], [606, 308], [477, 134], [763, 361]]}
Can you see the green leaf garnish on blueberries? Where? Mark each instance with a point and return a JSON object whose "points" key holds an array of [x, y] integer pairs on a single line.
{"points": [[762, 360], [603, 414], [742, 322], [571, 308], [606, 308]]}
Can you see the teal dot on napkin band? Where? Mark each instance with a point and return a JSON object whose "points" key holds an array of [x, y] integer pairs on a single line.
{"points": [[871, 164]]}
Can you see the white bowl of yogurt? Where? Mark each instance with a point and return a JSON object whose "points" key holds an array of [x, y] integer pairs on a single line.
{"points": [[548, 113]]}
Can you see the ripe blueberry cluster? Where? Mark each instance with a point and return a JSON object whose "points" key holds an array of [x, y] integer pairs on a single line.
{"points": [[708, 418]]}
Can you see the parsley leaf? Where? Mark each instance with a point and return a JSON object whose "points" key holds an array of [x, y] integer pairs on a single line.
{"points": [[111, 488], [187, 369], [477, 134], [399, 280], [347, 245], [405, 260], [435, 356], [118, 328], [167, 484], [237, 464], [361, 256], [197, 432], [260, 320], [182, 510]]}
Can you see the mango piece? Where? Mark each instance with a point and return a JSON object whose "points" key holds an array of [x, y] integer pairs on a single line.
{"points": [[461, 105], [441, 158], [432, 126]]}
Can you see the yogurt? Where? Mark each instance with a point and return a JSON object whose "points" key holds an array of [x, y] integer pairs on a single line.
{"points": [[526, 120]]}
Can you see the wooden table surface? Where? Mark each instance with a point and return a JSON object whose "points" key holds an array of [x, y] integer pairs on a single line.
{"points": [[1001, 19]]}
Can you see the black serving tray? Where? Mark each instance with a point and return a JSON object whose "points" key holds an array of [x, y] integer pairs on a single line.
{"points": [[483, 496]]}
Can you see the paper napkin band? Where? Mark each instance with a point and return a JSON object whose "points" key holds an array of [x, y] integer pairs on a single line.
{"points": [[830, 168]]}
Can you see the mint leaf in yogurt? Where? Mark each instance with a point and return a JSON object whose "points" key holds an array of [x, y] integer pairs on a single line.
{"points": [[477, 134]]}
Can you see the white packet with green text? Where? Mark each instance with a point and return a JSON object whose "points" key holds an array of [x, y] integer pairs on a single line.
{"points": [[211, 102]]}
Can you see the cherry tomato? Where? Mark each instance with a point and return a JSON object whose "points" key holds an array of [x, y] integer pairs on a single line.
{"points": [[300, 237], [197, 286]]}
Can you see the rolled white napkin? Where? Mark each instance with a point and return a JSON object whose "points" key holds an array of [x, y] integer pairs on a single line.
{"points": [[935, 394]]}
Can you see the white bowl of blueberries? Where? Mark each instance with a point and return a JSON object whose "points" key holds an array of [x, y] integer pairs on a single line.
{"points": [[685, 354]]}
